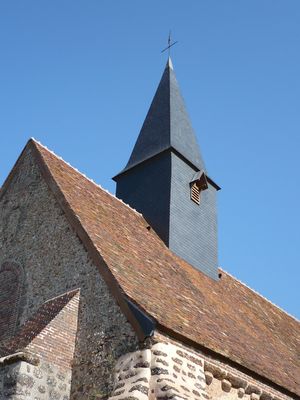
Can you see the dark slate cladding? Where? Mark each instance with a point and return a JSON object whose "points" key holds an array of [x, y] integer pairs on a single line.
{"points": [[156, 180], [166, 125], [154, 136], [183, 138], [193, 227], [147, 188]]}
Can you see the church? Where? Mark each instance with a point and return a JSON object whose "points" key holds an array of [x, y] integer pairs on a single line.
{"points": [[122, 297]]}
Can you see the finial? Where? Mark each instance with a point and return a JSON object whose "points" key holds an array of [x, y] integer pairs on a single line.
{"points": [[169, 45]]}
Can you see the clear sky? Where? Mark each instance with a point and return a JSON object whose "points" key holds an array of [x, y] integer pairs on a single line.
{"points": [[79, 76]]}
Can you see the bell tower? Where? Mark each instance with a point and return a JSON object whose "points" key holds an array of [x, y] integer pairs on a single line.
{"points": [[165, 179]]}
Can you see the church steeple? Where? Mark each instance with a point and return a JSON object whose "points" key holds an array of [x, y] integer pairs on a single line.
{"points": [[166, 125], [166, 180]]}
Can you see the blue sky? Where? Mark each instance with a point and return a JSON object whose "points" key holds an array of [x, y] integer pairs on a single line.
{"points": [[79, 76]]}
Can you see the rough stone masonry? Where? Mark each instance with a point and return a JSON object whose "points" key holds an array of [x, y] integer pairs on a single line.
{"points": [[168, 370], [36, 236]]}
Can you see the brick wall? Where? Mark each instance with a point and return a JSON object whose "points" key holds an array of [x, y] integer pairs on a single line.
{"points": [[56, 342], [51, 332]]}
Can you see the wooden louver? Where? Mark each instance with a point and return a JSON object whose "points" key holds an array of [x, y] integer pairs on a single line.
{"points": [[195, 193]]}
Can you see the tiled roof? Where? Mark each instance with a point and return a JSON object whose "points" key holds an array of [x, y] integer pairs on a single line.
{"points": [[38, 322], [224, 316]]}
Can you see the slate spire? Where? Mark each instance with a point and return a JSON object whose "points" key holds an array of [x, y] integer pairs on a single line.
{"points": [[167, 125], [165, 179]]}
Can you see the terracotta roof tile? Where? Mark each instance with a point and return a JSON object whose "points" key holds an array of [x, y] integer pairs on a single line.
{"points": [[224, 316], [39, 320]]}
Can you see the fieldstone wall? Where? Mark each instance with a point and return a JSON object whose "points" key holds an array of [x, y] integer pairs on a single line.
{"points": [[35, 234], [225, 382], [24, 381], [163, 372], [169, 370]]}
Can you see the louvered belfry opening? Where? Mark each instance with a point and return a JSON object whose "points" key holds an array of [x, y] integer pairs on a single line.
{"points": [[195, 193], [165, 179]]}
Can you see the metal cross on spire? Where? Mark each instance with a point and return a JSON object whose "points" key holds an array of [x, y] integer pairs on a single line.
{"points": [[170, 44]]}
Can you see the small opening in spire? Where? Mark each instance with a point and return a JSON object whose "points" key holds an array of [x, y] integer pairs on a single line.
{"points": [[195, 193], [198, 184]]}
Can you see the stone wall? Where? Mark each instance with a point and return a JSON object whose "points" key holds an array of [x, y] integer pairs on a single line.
{"points": [[226, 381], [21, 380], [170, 370], [11, 282], [35, 234], [163, 372]]}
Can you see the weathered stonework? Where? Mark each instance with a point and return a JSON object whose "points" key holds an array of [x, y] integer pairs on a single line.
{"points": [[163, 372], [172, 371], [23, 381], [230, 384], [223, 380], [11, 286], [55, 261]]}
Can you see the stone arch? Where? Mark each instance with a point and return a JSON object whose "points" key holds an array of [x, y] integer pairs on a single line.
{"points": [[11, 284]]}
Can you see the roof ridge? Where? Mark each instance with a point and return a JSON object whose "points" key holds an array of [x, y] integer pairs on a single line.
{"points": [[260, 295], [71, 293], [85, 176]]}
